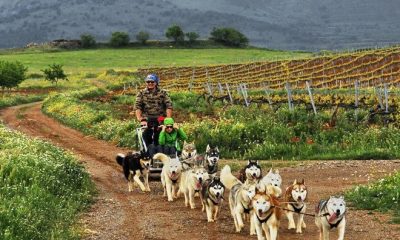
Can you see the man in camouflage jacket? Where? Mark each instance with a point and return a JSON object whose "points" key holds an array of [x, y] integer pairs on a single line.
{"points": [[152, 104]]}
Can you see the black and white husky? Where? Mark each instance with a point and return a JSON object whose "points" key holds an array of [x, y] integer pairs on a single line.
{"points": [[211, 159], [240, 197], [251, 173], [331, 214], [135, 165], [212, 194]]}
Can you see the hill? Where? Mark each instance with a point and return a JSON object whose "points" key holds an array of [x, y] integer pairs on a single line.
{"points": [[291, 24]]}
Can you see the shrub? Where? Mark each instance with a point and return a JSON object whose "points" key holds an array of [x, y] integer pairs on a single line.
{"points": [[175, 33], [11, 74], [54, 73], [119, 39], [192, 36], [142, 37], [87, 41], [229, 36]]}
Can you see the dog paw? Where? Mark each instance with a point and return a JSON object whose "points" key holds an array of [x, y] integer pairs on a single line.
{"points": [[210, 220], [170, 199], [253, 233], [291, 226], [193, 207], [299, 231]]}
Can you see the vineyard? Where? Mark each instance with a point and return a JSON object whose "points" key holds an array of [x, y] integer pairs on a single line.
{"points": [[368, 68]]}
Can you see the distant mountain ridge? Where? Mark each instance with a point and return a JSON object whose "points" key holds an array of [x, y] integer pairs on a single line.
{"points": [[281, 24]]}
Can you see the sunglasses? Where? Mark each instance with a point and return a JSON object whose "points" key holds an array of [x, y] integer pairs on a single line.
{"points": [[169, 126], [150, 82]]}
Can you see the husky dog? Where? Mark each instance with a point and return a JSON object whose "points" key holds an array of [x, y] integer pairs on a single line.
{"points": [[191, 182], [295, 197], [239, 197], [273, 178], [170, 174], [135, 165], [211, 159], [212, 193], [330, 214], [189, 155], [251, 173], [266, 216]]}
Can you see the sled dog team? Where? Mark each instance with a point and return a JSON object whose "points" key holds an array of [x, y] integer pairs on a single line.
{"points": [[253, 198]]}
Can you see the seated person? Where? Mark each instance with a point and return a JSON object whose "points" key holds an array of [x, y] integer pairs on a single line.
{"points": [[171, 138], [151, 135]]}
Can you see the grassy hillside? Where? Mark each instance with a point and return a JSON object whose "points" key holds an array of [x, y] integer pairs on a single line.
{"points": [[97, 60]]}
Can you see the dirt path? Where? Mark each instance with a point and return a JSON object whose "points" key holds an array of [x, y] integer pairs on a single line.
{"points": [[118, 214]]}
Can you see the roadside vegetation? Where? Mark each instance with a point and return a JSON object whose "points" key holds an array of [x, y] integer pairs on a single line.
{"points": [[42, 189], [244, 133], [383, 195]]}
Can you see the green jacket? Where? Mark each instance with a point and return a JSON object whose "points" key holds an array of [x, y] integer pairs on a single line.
{"points": [[169, 139]]}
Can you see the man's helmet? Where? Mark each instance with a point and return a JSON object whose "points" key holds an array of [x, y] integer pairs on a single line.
{"points": [[152, 77]]}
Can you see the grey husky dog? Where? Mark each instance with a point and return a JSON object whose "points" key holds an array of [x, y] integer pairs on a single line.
{"points": [[331, 214], [189, 155], [240, 197]]}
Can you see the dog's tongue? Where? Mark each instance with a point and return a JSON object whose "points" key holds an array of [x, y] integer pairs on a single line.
{"points": [[332, 218], [198, 185]]}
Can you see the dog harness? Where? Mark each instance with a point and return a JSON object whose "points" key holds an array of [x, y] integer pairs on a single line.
{"points": [[246, 210], [322, 205], [212, 169], [212, 200], [297, 210], [265, 219]]}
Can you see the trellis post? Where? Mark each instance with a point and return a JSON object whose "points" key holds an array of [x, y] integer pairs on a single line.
{"points": [[311, 97]]}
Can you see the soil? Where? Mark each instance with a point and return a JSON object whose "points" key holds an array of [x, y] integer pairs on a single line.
{"points": [[118, 214]]}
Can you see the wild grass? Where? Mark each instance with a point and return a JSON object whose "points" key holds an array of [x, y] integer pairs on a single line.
{"points": [[42, 189]]}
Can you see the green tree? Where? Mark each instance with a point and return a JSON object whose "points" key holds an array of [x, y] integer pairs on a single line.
{"points": [[192, 36], [142, 37], [175, 33], [119, 39], [54, 73], [229, 37], [88, 41], [11, 74]]}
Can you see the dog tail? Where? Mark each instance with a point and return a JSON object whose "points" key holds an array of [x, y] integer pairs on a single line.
{"points": [[273, 190], [162, 157], [227, 177], [120, 158]]}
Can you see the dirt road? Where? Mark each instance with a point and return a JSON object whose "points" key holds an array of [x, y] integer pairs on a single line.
{"points": [[118, 214]]}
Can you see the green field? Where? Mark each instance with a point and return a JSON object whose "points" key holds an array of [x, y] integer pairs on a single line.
{"points": [[97, 60]]}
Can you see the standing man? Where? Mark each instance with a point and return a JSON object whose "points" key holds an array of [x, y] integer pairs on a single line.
{"points": [[152, 105]]}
